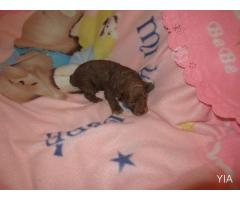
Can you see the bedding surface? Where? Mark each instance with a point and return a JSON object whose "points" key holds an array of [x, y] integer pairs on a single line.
{"points": [[197, 35], [11, 28], [75, 144]]}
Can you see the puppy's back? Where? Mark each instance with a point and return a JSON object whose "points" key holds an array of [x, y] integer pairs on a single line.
{"points": [[104, 73], [99, 70]]}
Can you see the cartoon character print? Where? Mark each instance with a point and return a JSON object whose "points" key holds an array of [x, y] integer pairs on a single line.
{"points": [[98, 33], [109, 27]]}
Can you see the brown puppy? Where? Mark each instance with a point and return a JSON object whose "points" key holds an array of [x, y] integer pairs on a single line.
{"points": [[119, 83]]}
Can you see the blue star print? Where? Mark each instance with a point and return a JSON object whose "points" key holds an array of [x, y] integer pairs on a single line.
{"points": [[123, 160]]}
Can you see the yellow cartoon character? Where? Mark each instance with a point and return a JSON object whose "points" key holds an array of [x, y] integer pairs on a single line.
{"points": [[97, 31]]}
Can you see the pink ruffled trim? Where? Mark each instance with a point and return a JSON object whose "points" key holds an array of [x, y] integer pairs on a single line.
{"points": [[182, 54]]}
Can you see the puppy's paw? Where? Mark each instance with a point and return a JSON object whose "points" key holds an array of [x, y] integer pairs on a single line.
{"points": [[96, 100], [117, 110], [92, 98]]}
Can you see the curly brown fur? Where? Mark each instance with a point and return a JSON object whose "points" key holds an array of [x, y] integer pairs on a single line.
{"points": [[118, 82]]}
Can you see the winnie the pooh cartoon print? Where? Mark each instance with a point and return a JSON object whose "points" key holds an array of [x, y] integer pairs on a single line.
{"points": [[97, 30]]}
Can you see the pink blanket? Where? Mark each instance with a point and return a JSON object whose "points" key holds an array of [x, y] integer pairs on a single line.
{"points": [[75, 144], [196, 36], [11, 28]]}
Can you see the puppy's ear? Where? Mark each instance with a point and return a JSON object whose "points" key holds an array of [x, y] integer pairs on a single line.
{"points": [[149, 86], [14, 72]]}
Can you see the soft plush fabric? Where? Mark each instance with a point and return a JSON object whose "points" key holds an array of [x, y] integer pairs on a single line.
{"points": [[75, 144], [207, 45], [11, 28]]}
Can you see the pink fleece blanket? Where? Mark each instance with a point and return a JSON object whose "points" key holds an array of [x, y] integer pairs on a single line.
{"points": [[75, 144], [196, 36], [11, 28]]}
